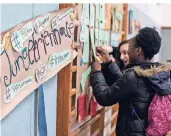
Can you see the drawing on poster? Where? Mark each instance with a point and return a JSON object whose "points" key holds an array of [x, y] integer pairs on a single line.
{"points": [[41, 72], [14, 88], [17, 42], [41, 22], [57, 59], [26, 31], [56, 21], [7, 40]]}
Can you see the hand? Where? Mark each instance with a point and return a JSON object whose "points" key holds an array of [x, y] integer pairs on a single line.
{"points": [[104, 54], [112, 58], [169, 133], [108, 48], [96, 66]]}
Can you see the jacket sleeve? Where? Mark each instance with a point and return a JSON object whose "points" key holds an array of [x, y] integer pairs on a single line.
{"points": [[111, 72], [109, 95]]}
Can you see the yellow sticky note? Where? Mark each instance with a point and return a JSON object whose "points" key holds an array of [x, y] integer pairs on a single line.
{"points": [[7, 40]]}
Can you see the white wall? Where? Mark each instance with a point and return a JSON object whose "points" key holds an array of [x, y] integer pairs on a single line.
{"points": [[159, 13], [146, 20], [166, 49]]}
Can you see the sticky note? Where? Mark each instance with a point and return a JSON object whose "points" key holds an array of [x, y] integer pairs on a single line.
{"points": [[101, 37], [96, 37], [92, 42], [97, 15], [26, 31], [7, 40], [107, 38], [92, 15], [114, 39], [41, 22], [86, 13], [84, 78]]}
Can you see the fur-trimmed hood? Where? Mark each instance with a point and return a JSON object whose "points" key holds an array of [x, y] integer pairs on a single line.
{"points": [[158, 76]]}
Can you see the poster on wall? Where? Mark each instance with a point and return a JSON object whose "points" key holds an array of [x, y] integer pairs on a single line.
{"points": [[130, 22], [33, 52]]}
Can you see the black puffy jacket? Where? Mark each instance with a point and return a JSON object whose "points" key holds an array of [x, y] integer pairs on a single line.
{"points": [[137, 85]]}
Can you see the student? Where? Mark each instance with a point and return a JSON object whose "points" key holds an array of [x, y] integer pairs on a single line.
{"points": [[136, 85], [119, 55]]}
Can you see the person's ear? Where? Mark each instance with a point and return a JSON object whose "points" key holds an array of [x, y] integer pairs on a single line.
{"points": [[138, 51]]}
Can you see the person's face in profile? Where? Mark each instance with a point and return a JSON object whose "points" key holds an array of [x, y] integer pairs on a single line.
{"points": [[124, 53], [133, 51]]}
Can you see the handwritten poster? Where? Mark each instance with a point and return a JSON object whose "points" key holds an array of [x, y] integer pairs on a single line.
{"points": [[35, 56]]}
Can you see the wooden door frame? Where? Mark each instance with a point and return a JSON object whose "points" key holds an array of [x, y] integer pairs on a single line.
{"points": [[63, 96]]}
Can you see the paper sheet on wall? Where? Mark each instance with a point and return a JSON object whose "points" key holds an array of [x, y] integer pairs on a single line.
{"points": [[85, 57], [102, 16], [101, 37], [84, 21], [97, 15], [119, 21], [114, 39], [96, 36], [107, 37], [92, 41], [84, 78], [86, 13], [92, 15]]}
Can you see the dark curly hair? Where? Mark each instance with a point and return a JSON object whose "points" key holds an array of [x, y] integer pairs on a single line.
{"points": [[149, 40]]}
